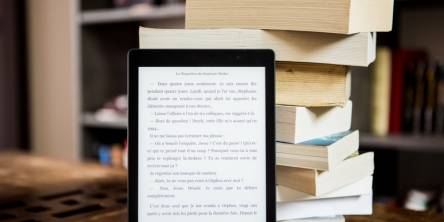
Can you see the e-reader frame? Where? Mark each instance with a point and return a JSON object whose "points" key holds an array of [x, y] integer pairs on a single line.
{"points": [[200, 58]]}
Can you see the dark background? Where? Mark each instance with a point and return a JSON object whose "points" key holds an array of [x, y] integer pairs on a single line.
{"points": [[13, 81]]}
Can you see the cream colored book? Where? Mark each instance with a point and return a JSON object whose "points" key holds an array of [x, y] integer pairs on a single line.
{"points": [[361, 187], [332, 16], [307, 84], [382, 72], [352, 50], [317, 183], [324, 153], [295, 124]]}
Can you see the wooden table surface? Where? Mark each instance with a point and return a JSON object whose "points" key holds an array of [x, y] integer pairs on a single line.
{"points": [[41, 189]]}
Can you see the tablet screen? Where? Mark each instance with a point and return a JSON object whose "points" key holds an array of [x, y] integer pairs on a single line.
{"points": [[202, 144]]}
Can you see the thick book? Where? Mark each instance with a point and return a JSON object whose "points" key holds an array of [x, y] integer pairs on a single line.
{"points": [[295, 124], [352, 50], [380, 106], [339, 218], [332, 16], [317, 183], [308, 84], [324, 153], [354, 205], [363, 186]]}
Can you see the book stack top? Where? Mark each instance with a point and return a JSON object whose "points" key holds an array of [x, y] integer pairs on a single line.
{"points": [[332, 16]]}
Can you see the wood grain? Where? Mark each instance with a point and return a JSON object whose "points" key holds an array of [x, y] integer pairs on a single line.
{"points": [[384, 213], [25, 175]]}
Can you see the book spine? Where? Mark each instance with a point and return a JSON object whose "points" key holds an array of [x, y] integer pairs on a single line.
{"points": [[381, 92], [418, 114], [440, 100], [397, 82], [431, 89]]}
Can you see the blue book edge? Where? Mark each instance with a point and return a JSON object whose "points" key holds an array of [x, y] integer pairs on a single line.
{"points": [[326, 140]]}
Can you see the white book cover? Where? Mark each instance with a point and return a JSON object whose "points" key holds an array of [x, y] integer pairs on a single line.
{"points": [[339, 218], [363, 186], [354, 205]]}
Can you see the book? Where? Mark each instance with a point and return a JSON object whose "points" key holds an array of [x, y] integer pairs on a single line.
{"points": [[353, 50], [381, 92], [317, 183], [295, 124], [363, 186], [408, 96], [401, 61], [419, 98], [439, 100], [332, 16], [354, 205], [116, 153], [319, 219], [430, 99], [104, 155], [324, 153], [307, 84]]}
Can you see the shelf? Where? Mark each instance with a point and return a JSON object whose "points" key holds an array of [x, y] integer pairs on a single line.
{"points": [[138, 13], [416, 143], [88, 120]]}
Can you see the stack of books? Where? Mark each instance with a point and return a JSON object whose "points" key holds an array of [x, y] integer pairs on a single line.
{"points": [[320, 174]]}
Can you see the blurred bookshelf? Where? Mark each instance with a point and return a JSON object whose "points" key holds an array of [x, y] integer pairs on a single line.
{"points": [[406, 157], [106, 32]]}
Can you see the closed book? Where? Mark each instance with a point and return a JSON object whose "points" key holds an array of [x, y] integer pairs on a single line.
{"points": [[352, 50], [440, 100], [419, 98], [332, 16], [354, 205], [408, 97], [324, 153], [431, 100], [381, 92], [307, 84], [360, 187], [317, 183], [295, 124]]}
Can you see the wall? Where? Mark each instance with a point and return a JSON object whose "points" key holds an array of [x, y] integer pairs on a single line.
{"points": [[53, 82], [423, 28], [13, 104]]}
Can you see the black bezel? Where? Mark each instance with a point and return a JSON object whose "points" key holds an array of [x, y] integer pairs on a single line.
{"points": [[200, 58]]}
